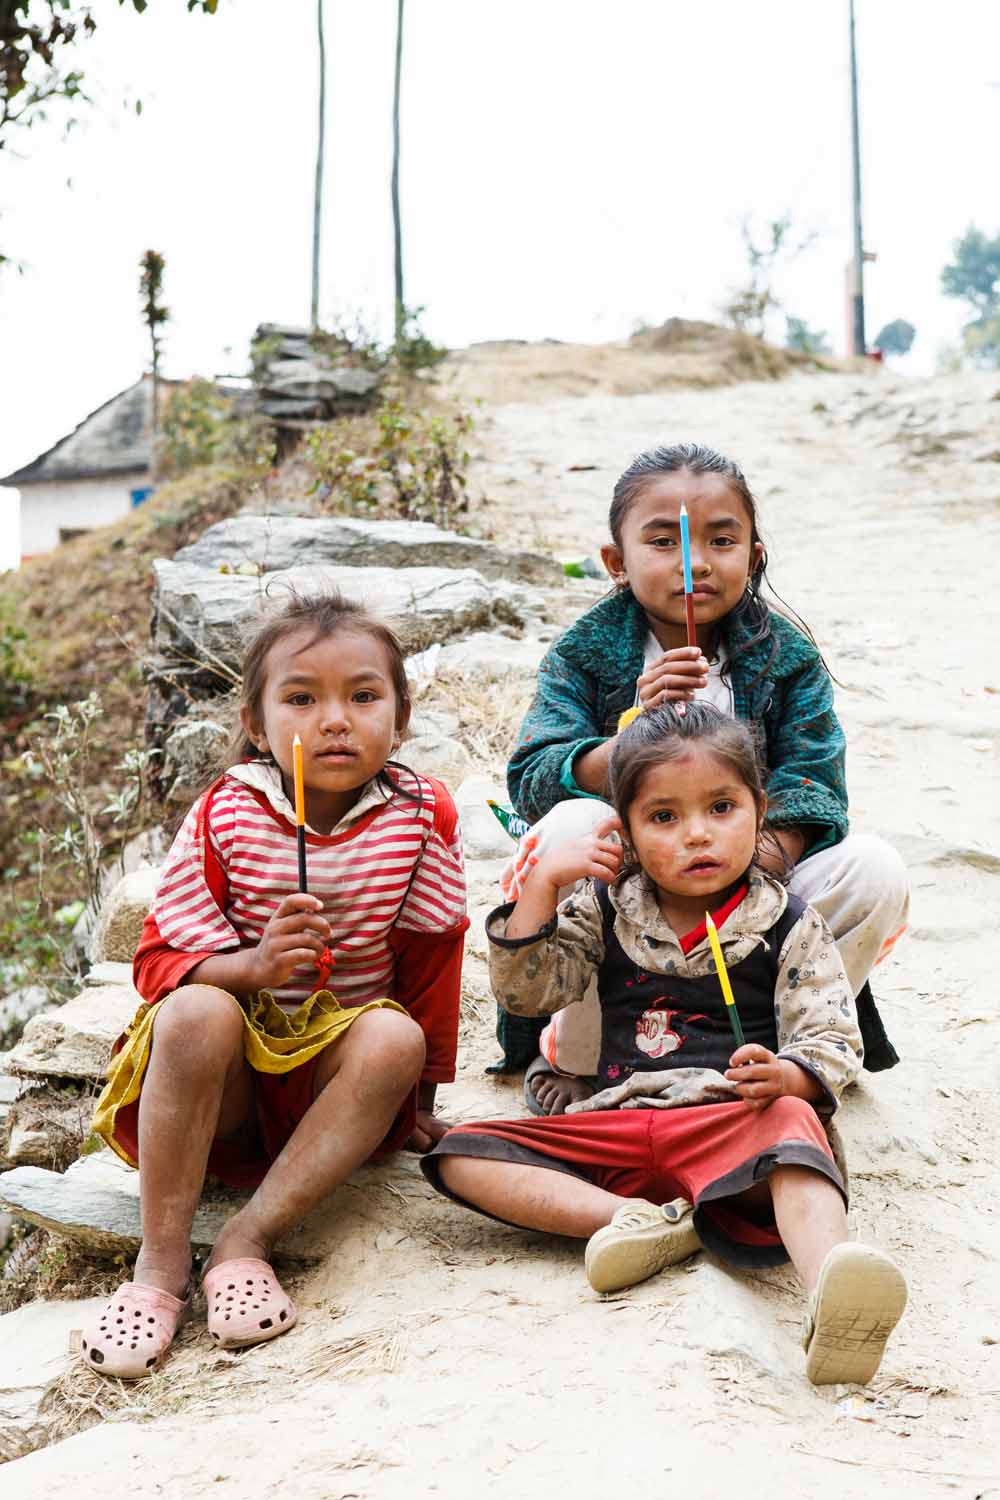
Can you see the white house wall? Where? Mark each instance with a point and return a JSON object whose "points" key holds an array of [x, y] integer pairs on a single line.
{"points": [[51, 504]]}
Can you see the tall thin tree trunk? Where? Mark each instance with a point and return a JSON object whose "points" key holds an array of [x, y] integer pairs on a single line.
{"points": [[318, 190], [400, 310]]}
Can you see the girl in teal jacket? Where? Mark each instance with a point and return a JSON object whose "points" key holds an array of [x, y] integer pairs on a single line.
{"points": [[631, 650]]}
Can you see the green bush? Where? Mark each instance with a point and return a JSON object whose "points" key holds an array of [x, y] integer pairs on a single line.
{"points": [[202, 425], [415, 468], [17, 669]]}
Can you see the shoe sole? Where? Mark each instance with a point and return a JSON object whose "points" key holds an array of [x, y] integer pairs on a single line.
{"points": [[859, 1300], [618, 1258]]}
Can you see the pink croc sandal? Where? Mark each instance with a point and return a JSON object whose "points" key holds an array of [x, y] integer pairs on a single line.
{"points": [[133, 1332], [246, 1304]]}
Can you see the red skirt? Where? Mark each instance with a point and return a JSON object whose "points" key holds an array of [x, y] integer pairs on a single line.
{"points": [[281, 1100], [708, 1153]]}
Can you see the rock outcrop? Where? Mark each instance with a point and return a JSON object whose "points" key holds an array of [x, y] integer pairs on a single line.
{"points": [[275, 543], [300, 380]]}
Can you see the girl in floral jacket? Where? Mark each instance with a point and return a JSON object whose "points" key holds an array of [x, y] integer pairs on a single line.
{"points": [[690, 1139]]}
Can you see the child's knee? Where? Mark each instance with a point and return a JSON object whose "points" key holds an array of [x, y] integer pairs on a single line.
{"points": [[795, 1118], [390, 1046], [878, 875], [199, 1023], [455, 1172]]}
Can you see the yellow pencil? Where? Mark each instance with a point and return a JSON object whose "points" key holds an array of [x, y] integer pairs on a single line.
{"points": [[300, 809], [727, 989]]}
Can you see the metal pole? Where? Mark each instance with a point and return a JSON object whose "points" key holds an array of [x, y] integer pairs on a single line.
{"points": [[858, 280], [400, 309], [318, 190]]}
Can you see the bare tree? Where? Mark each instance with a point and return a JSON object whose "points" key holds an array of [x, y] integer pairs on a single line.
{"points": [[748, 306], [400, 310]]}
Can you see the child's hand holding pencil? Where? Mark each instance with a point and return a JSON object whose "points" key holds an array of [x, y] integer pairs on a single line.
{"points": [[760, 1077]]}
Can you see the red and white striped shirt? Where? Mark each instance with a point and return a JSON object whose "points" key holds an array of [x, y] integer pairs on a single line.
{"points": [[389, 875]]}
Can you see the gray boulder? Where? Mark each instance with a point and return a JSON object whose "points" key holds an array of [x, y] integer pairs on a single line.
{"points": [[310, 380], [205, 614], [45, 1126], [279, 542], [74, 1040], [437, 755], [485, 656], [190, 752]]}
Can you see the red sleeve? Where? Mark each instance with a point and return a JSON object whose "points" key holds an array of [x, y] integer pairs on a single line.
{"points": [[429, 985], [157, 968]]}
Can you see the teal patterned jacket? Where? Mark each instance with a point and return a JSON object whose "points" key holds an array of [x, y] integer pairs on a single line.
{"points": [[588, 678]]}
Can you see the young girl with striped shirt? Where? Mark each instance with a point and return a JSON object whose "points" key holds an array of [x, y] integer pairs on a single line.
{"points": [[241, 1062]]}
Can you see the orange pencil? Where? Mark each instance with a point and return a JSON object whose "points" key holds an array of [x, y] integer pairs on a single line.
{"points": [[300, 810]]}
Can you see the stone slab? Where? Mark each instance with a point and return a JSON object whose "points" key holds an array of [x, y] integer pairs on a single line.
{"points": [[107, 972], [95, 1203], [74, 1040], [206, 614], [34, 1349], [279, 542]]}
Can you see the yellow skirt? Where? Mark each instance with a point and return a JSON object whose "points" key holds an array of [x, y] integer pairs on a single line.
{"points": [[274, 1044]]}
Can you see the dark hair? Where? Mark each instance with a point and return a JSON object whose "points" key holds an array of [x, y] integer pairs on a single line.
{"points": [[695, 458], [323, 615], [660, 736]]}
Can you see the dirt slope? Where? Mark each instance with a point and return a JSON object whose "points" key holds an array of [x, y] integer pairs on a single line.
{"points": [[490, 1367]]}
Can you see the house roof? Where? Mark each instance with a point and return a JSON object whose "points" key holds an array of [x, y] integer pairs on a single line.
{"points": [[114, 439]]}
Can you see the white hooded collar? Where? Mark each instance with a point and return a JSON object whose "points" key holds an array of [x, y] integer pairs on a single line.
{"points": [[265, 777]]}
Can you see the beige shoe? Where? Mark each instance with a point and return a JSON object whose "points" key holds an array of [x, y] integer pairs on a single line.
{"points": [[859, 1299], [641, 1239]]}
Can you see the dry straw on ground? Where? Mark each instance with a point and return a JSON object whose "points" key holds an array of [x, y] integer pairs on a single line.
{"points": [[489, 713], [198, 1379]]}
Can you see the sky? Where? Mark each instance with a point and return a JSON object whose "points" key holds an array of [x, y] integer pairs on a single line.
{"points": [[569, 170]]}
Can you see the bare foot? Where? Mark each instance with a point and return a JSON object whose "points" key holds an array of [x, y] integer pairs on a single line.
{"points": [[237, 1242], [169, 1273], [553, 1091]]}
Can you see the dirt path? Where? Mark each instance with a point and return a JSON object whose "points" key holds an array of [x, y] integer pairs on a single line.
{"points": [[492, 1369]]}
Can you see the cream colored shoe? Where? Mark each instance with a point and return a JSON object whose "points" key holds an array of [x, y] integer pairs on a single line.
{"points": [[859, 1299], [641, 1239]]}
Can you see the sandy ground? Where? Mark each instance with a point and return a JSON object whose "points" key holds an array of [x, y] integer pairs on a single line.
{"points": [[493, 1368]]}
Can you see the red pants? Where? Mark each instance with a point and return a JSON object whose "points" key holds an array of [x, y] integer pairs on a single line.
{"points": [[708, 1154]]}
